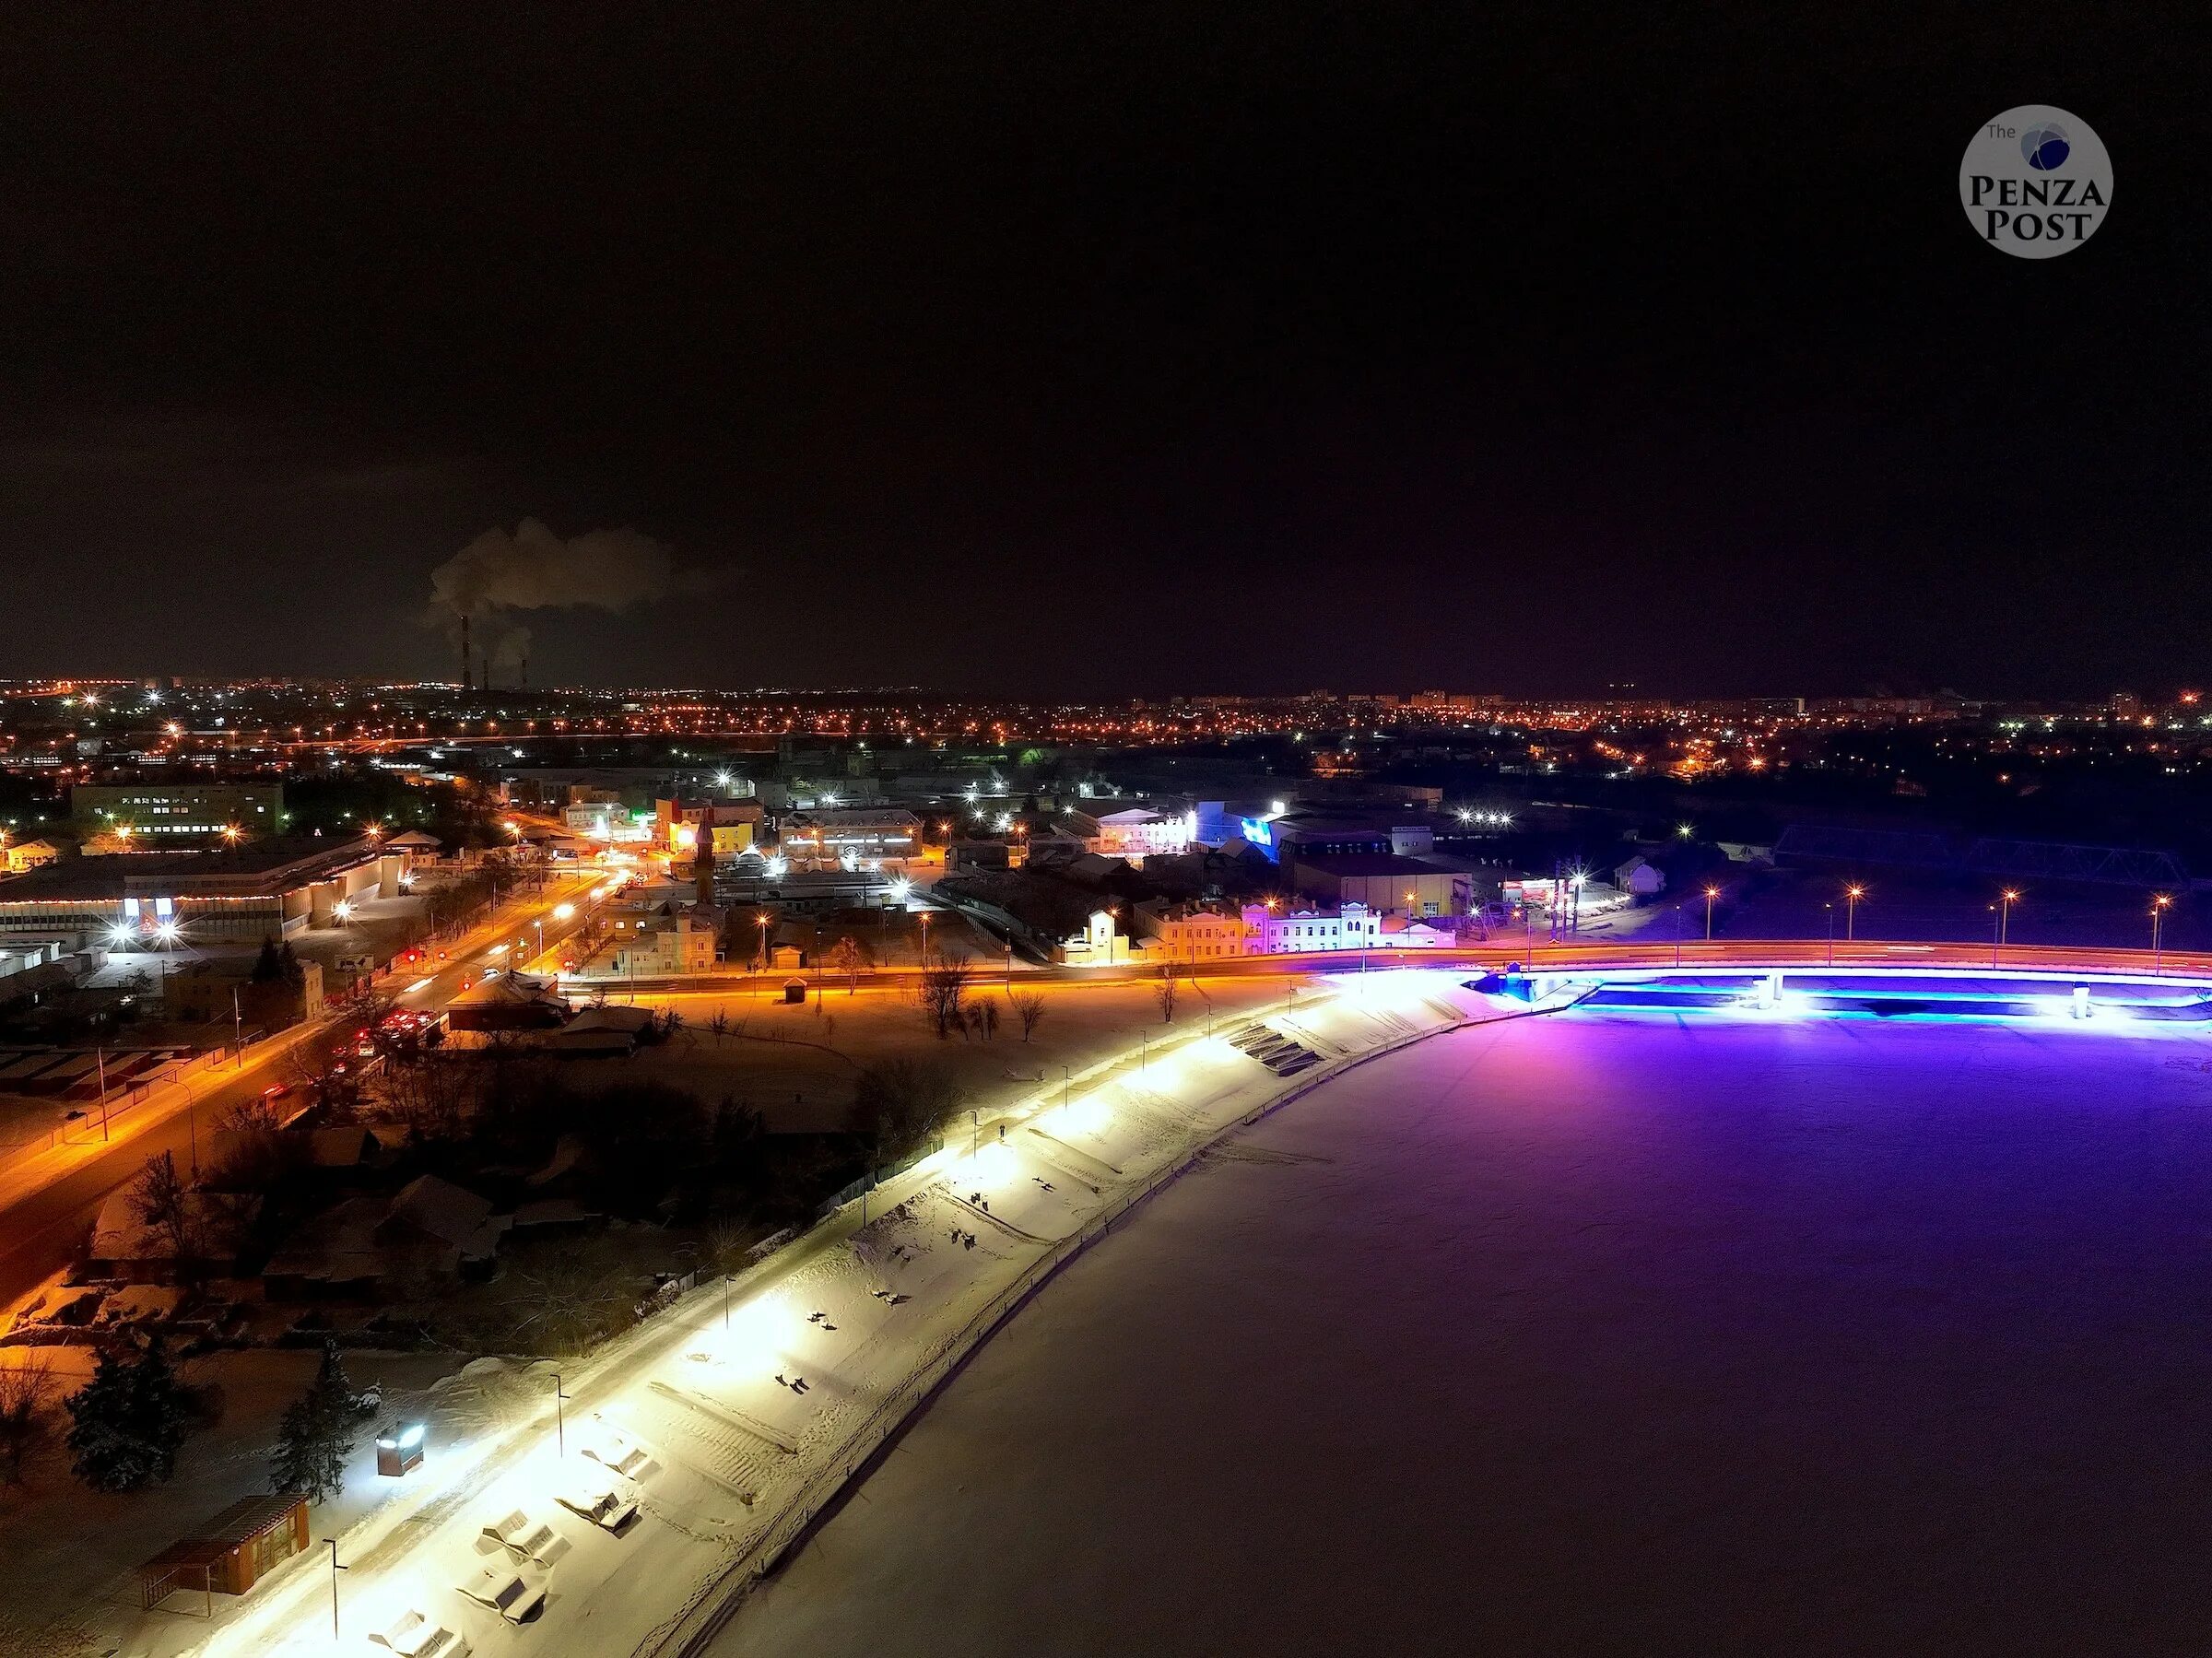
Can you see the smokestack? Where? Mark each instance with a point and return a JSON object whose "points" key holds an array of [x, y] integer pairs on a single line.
{"points": [[464, 682]]}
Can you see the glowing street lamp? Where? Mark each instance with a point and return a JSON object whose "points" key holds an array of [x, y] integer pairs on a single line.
{"points": [[2158, 906], [762, 922], [1851, 895], [1710, 893], [232, 834], [2005, 900]]}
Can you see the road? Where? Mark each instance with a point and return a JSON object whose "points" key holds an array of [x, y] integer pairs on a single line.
{"points": [[1543, 957], [48, 1198], [42, 1221]]}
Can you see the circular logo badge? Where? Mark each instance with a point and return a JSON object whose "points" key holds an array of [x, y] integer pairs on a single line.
{"points": [[2036, 181]]}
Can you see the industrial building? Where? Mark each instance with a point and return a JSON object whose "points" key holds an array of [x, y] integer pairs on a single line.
{"points": [[179, 814], [262, 890]]}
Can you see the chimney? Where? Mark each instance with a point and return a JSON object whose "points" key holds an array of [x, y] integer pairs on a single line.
{"points": [[464, 682]]}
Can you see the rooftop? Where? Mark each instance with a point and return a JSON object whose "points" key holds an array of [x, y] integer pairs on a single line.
{"points": [[275, 860]]}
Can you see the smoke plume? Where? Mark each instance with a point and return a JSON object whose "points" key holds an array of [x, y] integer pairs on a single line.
{"points": [[500, 572]]}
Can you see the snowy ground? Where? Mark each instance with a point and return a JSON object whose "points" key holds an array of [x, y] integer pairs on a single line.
{"points": [[710, 1418], [1598, 1334]]}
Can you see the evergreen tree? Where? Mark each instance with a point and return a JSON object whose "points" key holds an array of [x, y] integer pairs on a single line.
{"points": [[268, 967], [127, 1422], [316, 1436]]}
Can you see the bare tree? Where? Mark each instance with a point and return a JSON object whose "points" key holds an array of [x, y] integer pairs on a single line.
{"points": [[844, 957], [433, 1095], [944, 994], [1165, 993], [26, 1391], [575, 1298], [160, 1199], [899, 1105], [1029, 1008]]}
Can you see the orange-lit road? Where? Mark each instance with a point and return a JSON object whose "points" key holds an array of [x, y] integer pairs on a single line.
{"points": [[47, 1198]]}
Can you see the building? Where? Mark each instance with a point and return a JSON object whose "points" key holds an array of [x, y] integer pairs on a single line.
{"points": [[507, 1002], [607, 820], [1382, 881], [659, 946], [225, 989], [232, 1552], [19, 857], [737, 824], [851, 836], [161, 815], [262, 890], [1140, 832], [1188, 932], [1348, 927], [1640, 877]]}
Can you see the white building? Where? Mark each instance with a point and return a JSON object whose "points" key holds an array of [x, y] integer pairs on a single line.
{"points": [[851, 836], [1139, 833], [1348, 927]]}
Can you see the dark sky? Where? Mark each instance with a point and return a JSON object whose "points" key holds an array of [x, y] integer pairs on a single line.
{"points": [[1062, 349]]}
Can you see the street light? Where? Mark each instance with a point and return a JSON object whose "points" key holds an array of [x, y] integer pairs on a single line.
{"points": [[1710, 893], [2158, 906], [1851, 895], [560, 1421], [761, 921], [335, 1570], [2010, 897]]}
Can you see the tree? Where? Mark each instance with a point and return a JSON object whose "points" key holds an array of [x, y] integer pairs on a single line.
{"points": [[1029, 1007], [25, 1389], [720, 1024], [127, 1422], [1164, 993], [944, 994], [844, 957], [900, 1105], [160, 1199], [316, 1436]]}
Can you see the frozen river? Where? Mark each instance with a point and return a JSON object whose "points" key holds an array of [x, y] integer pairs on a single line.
{"points": [[1598, 1335]]}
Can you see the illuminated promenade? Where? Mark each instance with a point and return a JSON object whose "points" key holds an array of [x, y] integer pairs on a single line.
{"points": [[728, 1457]]}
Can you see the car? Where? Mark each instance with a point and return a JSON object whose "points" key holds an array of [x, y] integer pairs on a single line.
{"points": [[530, 1539], [611, 1448], [412, 1635], [601, 1504], [515, 1596]]}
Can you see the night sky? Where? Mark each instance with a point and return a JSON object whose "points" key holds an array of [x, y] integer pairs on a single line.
{"points": [[1067, 350]]}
